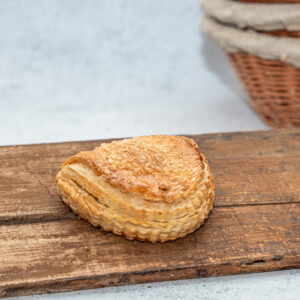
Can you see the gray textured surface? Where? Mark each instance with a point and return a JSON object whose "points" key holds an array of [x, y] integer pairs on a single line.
{"points": [[74, 70], [94, 69]]}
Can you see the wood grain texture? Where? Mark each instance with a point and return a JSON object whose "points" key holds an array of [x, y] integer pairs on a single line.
{"points": [[255, 225], [247, 167]]}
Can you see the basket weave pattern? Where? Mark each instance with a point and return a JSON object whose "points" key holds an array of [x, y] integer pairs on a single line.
{"points": [[273, 86]]}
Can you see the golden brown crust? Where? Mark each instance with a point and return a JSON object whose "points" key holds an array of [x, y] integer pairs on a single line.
{"points": [[160, 168], [151, 188]]}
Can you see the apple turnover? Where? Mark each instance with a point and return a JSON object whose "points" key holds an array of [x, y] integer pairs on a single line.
{"points": [[149, 188]]}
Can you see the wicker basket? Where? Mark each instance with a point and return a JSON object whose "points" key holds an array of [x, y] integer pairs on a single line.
{"points": [[273, 86]]}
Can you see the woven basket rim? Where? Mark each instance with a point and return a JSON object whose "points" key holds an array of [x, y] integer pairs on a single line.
{"points": [[232, 39], [264, 17]]}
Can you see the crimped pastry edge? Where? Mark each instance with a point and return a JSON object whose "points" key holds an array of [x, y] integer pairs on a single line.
{"points": [[81, 208]]}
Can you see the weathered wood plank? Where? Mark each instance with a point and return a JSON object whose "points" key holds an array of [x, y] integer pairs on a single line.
{"points": [[257, 180], [250, 168], [68, 255], [252, 144], [254, 226]]}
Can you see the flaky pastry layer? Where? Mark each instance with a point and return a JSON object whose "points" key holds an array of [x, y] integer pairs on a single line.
{"points": [[127, 212]]}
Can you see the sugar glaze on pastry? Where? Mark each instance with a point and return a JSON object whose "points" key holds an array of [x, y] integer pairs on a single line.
{"points": [[149, 188]]}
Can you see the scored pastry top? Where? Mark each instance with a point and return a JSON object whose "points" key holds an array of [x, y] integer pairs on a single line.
{"points": [[158, 167]]}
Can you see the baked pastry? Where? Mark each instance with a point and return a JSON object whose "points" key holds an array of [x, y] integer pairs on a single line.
{"points": [[149, 188]]}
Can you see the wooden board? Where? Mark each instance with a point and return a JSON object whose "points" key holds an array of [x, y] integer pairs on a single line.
{"points": [[255, 224]]}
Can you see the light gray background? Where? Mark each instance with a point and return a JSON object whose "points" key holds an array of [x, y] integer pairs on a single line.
{"points": [[77, 70]]}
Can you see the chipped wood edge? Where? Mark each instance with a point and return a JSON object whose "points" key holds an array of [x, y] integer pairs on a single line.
{"points": [[240, 266]]}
